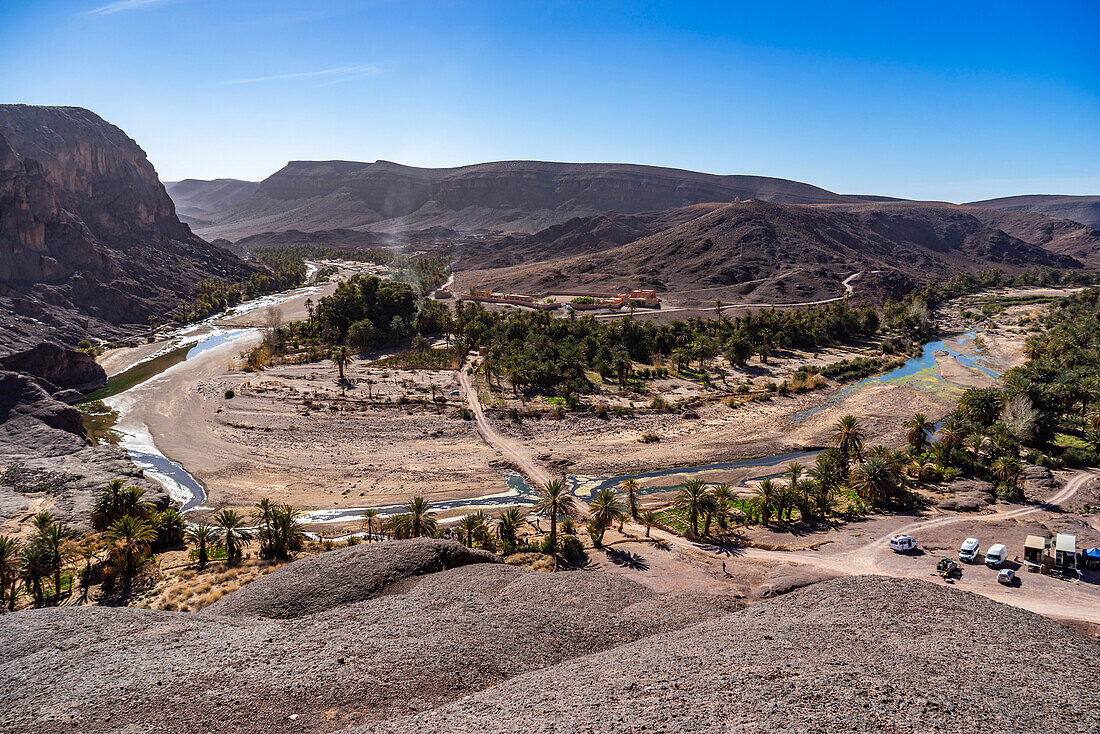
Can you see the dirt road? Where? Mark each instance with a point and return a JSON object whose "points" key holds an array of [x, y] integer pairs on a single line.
{"points": [[513, 451]]}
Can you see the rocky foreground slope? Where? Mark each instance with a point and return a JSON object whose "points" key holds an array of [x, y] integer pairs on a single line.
{"points": [[426, 636], [89, 240]]}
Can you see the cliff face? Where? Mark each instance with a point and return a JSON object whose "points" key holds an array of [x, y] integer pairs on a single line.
{"points": [[506, 196], [89, 239]]}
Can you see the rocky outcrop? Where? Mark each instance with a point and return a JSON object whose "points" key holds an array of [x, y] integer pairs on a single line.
{"points": [[45, 455], [89, 239], [32, 422], [61, 368], [968, 495], [345, 576], [427, 640], [861, 654]]}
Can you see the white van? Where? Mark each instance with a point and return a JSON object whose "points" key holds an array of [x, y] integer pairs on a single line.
{"points": [[996, 555], [969, 550], [902, 543]]}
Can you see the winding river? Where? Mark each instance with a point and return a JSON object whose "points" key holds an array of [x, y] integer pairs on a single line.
{"points": [[920, 372]]}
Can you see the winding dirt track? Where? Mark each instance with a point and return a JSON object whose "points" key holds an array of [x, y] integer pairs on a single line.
{"points": [[513, 451]]}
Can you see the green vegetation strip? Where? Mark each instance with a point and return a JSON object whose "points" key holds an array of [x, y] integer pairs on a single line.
{"points": [[137, 374]]}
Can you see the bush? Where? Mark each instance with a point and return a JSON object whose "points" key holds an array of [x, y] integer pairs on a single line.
{"points": [[465, 413], [1009, 493], [601, 413], [649, 438], [571, 547], [229, 394]]}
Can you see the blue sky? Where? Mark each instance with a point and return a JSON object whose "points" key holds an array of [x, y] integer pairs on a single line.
{"points": [[953, 101]]}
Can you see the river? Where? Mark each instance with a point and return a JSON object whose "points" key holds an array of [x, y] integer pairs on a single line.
{"points": [[920, 372]]}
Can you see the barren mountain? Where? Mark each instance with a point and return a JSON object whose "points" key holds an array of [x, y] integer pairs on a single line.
{"points": [[195, 198], [89, 240], [424, 635], [509, 196], [1082, 209], [774, 252], [1063, 236]]}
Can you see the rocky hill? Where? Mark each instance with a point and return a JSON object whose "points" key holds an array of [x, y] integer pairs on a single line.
{"points": [[1062, 236], [1081, 209], [89, 240], [768, 252], [195, 198], [441, 640], [508, 196]]}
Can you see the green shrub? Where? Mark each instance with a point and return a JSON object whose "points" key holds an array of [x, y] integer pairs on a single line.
{"points": [[229, 394]]}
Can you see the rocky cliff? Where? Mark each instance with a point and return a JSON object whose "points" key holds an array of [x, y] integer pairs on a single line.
{"points": [[89, 240]]}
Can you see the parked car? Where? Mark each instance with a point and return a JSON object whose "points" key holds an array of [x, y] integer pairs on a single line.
{"points": [[968, 553], [996, 555], [902, 543], [1007, 576]]}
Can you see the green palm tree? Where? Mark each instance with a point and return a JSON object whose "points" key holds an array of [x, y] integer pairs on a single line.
{"points": [[171, 526], [691, 499], [106, 503], [555, 500], [848, 438], [9, 569], [34, 564], [630, 486], [604, 510], [723, 496], [286, 531], [875, 481], [952, 432], [341, 358], [205, 537], [129, 538], [1006, 468], [370, 516], [767, 499], [54, 537], [470, 524], [234, 533], [649, 519], [508, 526], [132, 502], [421, 519], [918, 429]]}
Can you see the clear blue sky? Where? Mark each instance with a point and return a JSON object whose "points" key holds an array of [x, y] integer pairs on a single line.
{"points": [[951, 101]]}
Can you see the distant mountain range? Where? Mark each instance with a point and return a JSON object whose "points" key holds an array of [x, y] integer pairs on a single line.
{"points": [[771, 253], [196, 199], [1083, 209], [508, 196], [90, 243]]}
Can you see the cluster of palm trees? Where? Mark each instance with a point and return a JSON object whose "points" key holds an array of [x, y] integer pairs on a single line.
{"points": [[45, 555]]}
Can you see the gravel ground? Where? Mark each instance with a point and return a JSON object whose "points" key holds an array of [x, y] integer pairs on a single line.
{"points": [[425, 641], [850, 655]]}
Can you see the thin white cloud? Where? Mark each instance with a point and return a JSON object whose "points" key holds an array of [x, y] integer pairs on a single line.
{"points": [[122, 5], [333, 75]]}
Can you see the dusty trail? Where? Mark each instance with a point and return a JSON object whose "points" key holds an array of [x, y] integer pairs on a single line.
{"points": [[513, 451]]}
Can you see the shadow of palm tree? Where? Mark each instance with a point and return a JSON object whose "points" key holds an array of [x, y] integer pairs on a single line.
{"points": [[627, 559]]}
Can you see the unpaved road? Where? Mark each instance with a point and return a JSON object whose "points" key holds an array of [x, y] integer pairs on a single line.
{"points": [[513, 451]]}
